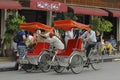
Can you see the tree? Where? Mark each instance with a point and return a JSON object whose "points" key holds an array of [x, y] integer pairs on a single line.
{"points": [[12, 26], [101, 25]]}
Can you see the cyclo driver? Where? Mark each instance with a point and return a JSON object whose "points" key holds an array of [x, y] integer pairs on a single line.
{"points": [[90, 38]]}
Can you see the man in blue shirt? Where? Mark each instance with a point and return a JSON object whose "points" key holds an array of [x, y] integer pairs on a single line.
{"points": [[112, 41], [21, 43], [21, 47]]}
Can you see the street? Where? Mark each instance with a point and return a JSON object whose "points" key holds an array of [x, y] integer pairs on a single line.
{"points": [[109, 71]]}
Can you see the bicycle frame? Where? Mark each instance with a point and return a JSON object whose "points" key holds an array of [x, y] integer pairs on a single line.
{"points": [[94, 57]]}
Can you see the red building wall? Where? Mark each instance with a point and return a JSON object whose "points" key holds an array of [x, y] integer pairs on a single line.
{"points": [[98, 3]]}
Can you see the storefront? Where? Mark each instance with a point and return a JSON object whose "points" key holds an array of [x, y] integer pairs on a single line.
{"points": [[6, 8], [0, 28], [34, 15], [41, 10], [49, 7]]}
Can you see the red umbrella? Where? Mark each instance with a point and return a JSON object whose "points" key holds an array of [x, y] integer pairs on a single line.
{"points": [[69, 24], [33, 26]]}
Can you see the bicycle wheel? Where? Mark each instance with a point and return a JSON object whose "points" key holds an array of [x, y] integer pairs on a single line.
{"points": [[76, 63], [45, 67], [28, 67], [95, 59], [58, 69]]}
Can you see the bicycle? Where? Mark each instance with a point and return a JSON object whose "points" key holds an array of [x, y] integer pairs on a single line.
{"points": [[94, 58]]}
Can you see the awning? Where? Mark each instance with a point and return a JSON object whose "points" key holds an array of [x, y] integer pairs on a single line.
{"points": [[115, 13], [89, 11], [33, 26], [46, 5], [69, 24], [9, 5]]}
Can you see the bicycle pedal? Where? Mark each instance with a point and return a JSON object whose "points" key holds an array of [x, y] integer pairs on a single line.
{"points": [[87, 66]]}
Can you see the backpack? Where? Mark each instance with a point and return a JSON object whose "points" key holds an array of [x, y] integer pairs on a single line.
{"points": [[15, 38]]}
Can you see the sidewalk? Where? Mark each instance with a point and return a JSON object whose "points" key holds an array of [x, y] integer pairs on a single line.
{"points": [[10, 65], [110, 58], [7, 66]]}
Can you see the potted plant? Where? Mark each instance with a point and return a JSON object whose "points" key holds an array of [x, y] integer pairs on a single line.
{"points": [[12, 26]]}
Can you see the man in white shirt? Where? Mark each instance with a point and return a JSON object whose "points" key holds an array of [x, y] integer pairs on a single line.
{"points": [[68, 35], [90, 38], [58, 44]]}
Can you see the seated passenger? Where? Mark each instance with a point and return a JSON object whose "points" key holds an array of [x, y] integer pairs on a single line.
{"points": [[107, 46], [112, 41], [56, 42], [42, 36], [52, 39]]}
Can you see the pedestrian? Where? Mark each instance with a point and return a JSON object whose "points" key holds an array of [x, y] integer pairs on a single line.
{"points": [[113, 41], [21, 46], [14, 47]]}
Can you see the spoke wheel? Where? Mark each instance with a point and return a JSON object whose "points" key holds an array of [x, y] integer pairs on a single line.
{"points": [[58, 69], [96, 60], [76, 64], [45, 67], [28, 67]]}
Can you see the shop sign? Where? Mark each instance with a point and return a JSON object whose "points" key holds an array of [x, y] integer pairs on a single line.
{"points": [[48, 6]]}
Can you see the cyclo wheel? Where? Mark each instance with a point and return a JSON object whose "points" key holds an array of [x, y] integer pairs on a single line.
{"points": [[76, 63], [58, 69], [28, 67], [44, 58], [96, 59]]}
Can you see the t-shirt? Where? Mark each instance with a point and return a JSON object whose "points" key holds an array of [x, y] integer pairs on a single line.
{"points": [[91, 35], [20, 37], [113, 42]]}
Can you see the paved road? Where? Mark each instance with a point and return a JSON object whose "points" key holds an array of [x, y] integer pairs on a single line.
{"points": [[109, 71], [10, 64]]}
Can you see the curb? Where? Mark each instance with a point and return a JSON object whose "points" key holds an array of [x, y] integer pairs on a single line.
{"points": [[4, 59], [7, 69], [111, 59]]}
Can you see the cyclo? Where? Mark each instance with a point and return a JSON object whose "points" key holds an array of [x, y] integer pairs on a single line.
{"points": [[71, 57], [36, 58]]}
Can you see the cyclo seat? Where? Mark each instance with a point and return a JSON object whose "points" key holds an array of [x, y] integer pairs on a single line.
{"points": [[71, 45], [38, 48]]}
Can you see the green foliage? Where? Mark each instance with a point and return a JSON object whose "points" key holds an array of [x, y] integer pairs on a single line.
{"points": [[101, 25], [12, 23], [12, 26]]}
